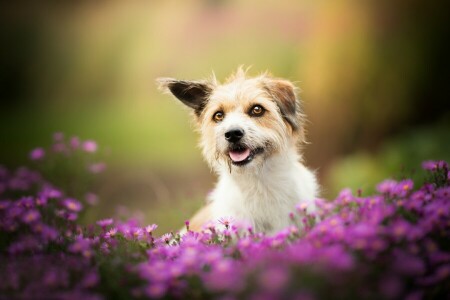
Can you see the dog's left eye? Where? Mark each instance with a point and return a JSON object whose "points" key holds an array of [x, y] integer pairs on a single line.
{"points": [[257, 111], [218, 116]]}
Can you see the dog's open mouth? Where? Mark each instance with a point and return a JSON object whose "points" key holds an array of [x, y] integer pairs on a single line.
{"points": [[241, 155]]}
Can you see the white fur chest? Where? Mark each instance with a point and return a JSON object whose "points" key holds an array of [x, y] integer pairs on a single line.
{"points": [[264, 197]]}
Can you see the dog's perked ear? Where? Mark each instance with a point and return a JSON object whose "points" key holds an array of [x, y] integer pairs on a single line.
{"points": [[192, 93], [283, 92]]}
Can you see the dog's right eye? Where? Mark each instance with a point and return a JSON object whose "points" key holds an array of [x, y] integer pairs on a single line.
{"points": [[218, 116]]}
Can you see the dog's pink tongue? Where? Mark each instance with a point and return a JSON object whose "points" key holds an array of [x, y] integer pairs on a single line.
{"points": [[239, 156]]}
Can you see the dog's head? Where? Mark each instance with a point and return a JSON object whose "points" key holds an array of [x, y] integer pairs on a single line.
{"points": [[243, 121]]}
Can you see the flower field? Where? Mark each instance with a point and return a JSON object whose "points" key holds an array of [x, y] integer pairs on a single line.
{"points": [[391, 245]]}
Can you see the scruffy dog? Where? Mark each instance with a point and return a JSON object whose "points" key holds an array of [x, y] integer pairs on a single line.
{"points": [[250, 132]]}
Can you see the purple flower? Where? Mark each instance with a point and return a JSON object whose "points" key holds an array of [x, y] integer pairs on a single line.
{"points": [[37, 154], [104, 223], [226, 221], [75, 142], [397, 238], [111, 233], [137, 233], [27, 202], [48, 233], [91, 198], [434, 165], [81, 245], [72, 205], [403, 188], [31, 216], [89, 146], [150, 228], [50, 192], [165, 238], [387, 186], [71, 216]]}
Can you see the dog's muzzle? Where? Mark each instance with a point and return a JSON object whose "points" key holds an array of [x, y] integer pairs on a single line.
{"points": [[239, 153]]}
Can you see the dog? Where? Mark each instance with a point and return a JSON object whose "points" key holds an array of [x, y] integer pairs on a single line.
{"points": [[251, 129]]}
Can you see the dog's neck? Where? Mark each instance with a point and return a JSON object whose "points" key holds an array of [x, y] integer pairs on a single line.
{"points": [[272, 179], [264, 194]]}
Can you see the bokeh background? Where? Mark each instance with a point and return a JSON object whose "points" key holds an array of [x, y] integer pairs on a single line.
{"points": [[374, 77]]}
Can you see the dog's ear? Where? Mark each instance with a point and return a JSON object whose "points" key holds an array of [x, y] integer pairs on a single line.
{"points": [[283, 92], [192, 93]]}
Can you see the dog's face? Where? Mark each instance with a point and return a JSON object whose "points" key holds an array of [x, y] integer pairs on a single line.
{"points": [[244, 121]]}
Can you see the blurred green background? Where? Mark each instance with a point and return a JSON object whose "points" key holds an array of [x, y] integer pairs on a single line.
{"points": [[374, 77]]}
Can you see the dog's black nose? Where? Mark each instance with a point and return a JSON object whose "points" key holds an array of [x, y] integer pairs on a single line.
{"points": [[234, 135]]}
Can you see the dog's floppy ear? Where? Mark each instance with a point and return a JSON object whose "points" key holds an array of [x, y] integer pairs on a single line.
{"points": [[192, 93], [283, 92]]}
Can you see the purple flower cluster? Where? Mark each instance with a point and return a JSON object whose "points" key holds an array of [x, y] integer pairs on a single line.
{"points": [[390, 245], [36, 232], [73, 146], [387, 246]]}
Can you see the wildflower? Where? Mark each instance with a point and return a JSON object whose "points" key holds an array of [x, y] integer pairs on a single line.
{"points": [[71, 216], [226, 221], [104, 223], [37, 154], [41, 201], [31, 216], [433, 165], [82, 246], [111, 233], [291, 216], [49, 192], [75, 142], [72, 205], [89, 146], [345, 197], [150, 228], [387, 186], [403, 188], [137, 233], [27, 202], [400, 228], [166, 238], [302, 207], [48, 233]]}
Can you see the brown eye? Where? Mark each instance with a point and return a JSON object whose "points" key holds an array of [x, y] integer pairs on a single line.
{"points": [[257, 111], [218, 116]]}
